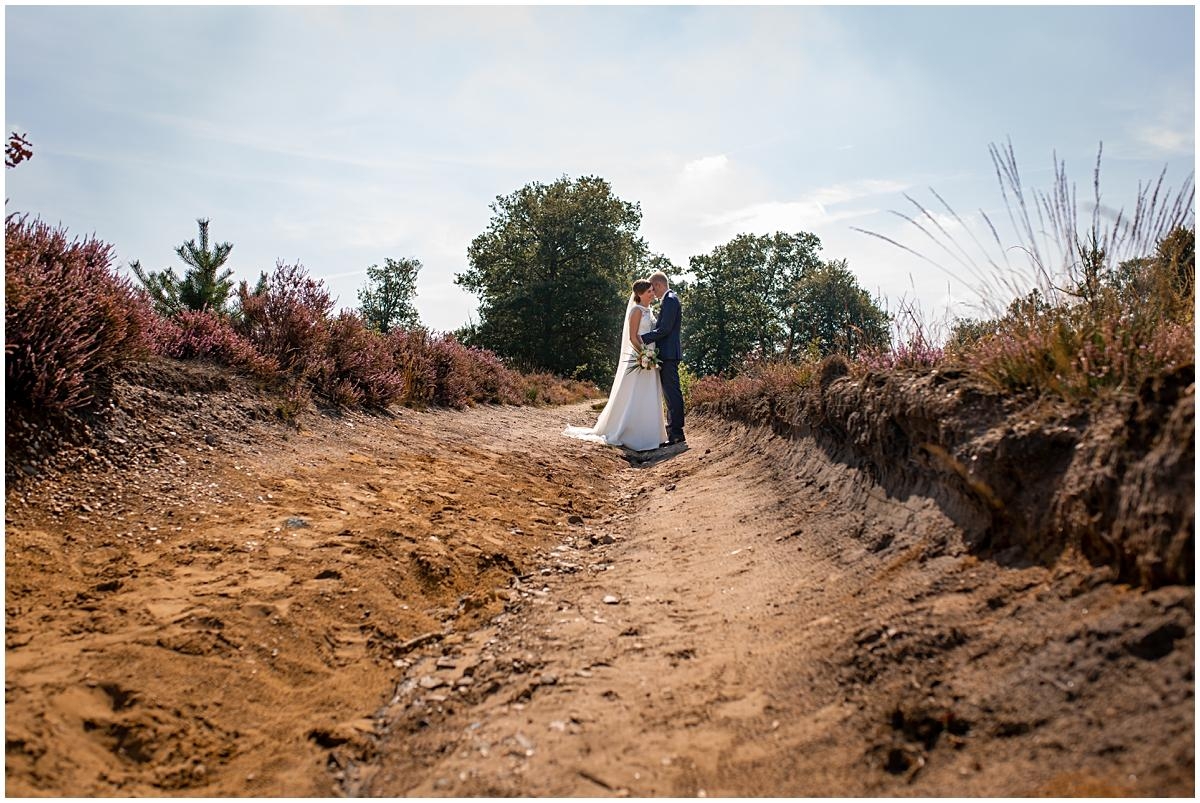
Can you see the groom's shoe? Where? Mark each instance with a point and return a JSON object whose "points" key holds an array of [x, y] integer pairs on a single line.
{"points": [[674, 441]]}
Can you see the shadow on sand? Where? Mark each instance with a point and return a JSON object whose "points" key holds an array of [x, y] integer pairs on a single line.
{"points": [[652, 457]]}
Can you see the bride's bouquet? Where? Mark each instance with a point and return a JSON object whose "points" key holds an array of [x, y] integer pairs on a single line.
{"points": [[645, 358]]}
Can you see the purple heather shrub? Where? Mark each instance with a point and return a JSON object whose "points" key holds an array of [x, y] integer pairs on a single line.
{"points": [[452, 365], [418, 375], [206, 335], [69, 320], [359, 369], [287, 320], [492, 380]]}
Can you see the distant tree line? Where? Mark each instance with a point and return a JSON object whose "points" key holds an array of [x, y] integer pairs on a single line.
{"points": [[553, 270], [772, 297], [552, 273], [385, 301]]}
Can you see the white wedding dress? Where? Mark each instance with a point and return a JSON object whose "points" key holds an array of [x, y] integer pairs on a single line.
{"points": [[633, 416]]}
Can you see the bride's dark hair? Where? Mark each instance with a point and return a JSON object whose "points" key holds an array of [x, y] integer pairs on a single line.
{"points": [[639, 287]]}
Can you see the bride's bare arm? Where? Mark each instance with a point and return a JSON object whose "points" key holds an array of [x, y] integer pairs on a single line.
{"points": [[635, 320]]}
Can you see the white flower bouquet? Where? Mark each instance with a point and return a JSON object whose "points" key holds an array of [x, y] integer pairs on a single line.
{"points": [[644, 358]]}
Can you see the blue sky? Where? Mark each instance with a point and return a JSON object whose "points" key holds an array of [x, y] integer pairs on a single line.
{"points": [[337, 137]]}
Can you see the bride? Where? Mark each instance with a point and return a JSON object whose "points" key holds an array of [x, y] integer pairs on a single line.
{"points": [[633, 416]]}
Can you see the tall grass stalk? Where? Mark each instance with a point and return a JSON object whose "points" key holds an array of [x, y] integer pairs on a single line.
{"points": [[1048, 231], [1113, 294]]}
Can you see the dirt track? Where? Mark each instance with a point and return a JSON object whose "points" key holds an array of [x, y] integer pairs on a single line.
{"points": [[468, 604]]}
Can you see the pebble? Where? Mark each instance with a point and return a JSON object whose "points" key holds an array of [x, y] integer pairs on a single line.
{"points": [[609, 599]]}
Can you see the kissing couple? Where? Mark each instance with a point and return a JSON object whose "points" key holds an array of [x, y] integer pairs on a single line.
{"points": [[647, 373]]}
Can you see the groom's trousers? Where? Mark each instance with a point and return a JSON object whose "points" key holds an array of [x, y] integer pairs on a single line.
{"points": [[669, 374]]}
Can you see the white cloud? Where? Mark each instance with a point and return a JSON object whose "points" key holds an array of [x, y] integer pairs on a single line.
{"points": [[1167, 140], [854, 190], [771, 216], [810, 212], [706, 166]]}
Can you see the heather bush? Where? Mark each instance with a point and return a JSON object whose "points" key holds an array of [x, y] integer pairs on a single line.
{"points": [[434, 369], [69, 320], [913, 345], [411, 356], [762, 393], [287, 319], [1111, 332], [207, 335], [726, 397], [359, 369], [492, 380], [453, 375], [293, 400], [1113, 299], [439, 370]]}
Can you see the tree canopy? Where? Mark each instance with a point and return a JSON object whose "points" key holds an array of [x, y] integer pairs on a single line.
{"points": [[552, 273], [772, 297], [830, 312]]}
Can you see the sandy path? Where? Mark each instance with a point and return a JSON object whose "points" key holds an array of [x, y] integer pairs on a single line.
{"points": [[768, 622], [669, 676], [475, 605], [214, 619]]}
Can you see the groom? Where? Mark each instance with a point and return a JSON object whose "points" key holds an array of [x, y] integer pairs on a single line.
{"points": [[666, 335]]}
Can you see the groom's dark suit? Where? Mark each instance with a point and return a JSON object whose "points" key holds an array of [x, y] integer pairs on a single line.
{"points": [[666, 336]]}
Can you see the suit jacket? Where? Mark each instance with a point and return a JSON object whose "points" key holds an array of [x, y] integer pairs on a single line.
{"points": [[666, 333]]}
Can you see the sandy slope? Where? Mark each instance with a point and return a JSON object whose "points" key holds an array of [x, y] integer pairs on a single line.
{"points": [[467, 604]]}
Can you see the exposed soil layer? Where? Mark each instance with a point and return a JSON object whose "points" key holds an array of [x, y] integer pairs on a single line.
{"points": [[210, 602], [1114, 481]]}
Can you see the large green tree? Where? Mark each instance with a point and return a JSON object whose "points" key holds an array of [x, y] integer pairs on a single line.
{"points": [[772, 297], [741, 299], [830, 312], [203, 285], [552, 273], [386, 302]]}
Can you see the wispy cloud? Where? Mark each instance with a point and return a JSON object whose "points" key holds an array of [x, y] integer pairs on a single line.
{"points": [[854, 191], [1167, 140], [242, 138], [705, 167], [808, 212]]}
